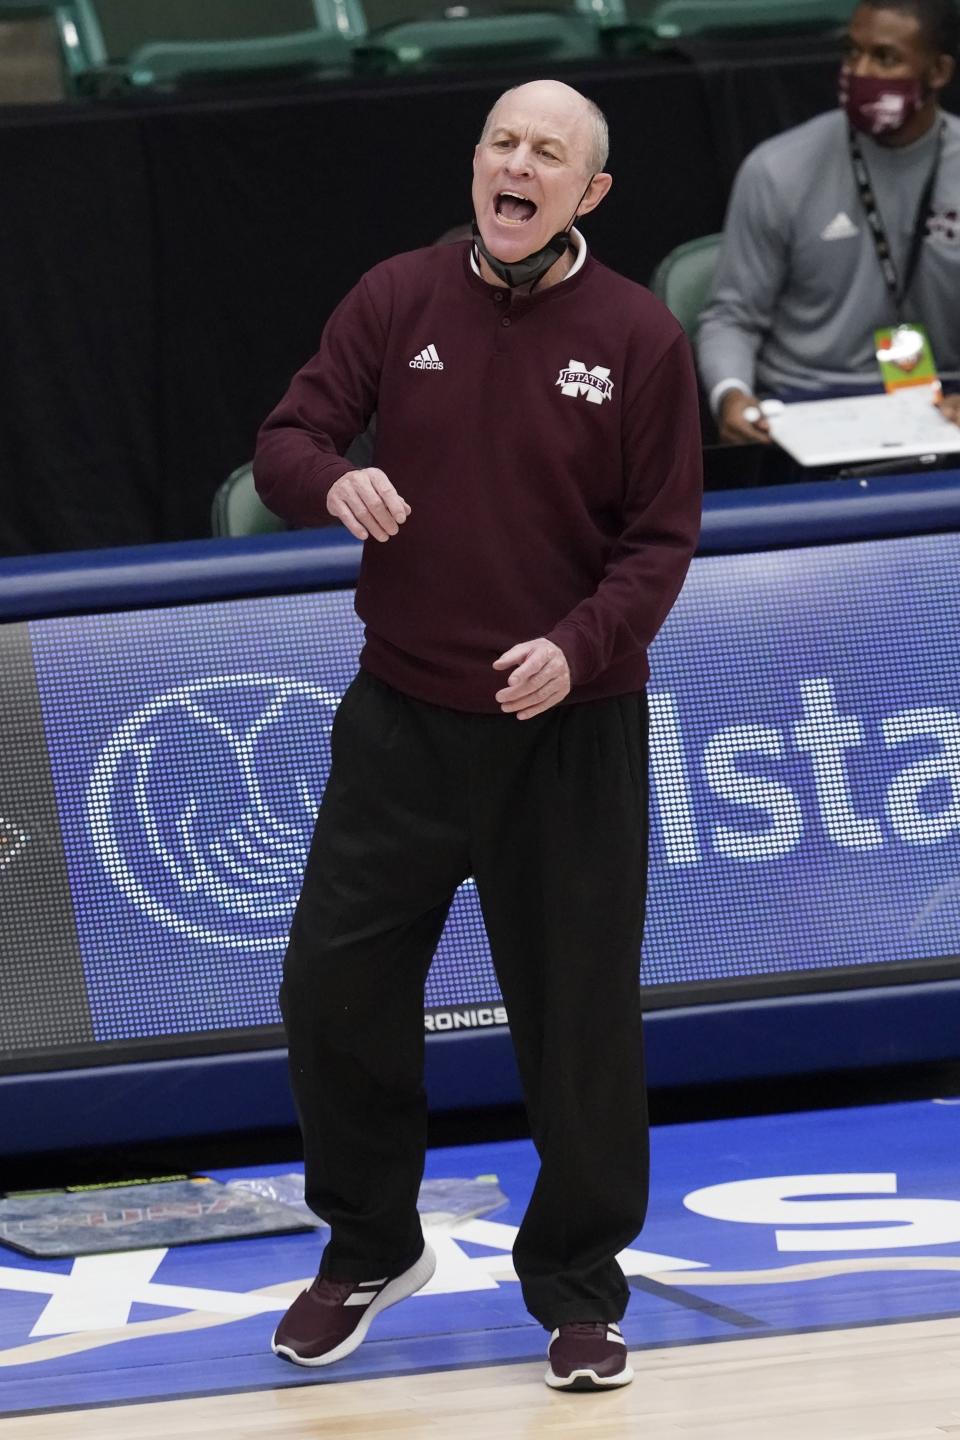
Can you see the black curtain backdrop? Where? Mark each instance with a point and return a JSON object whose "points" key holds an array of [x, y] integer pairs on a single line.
{"points": [[166, 268], [79, 399]]}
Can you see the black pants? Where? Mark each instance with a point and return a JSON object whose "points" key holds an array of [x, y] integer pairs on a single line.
{"points": [[550, 817]]}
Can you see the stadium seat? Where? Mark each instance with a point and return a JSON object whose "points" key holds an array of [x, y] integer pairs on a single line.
{"points": [[689, 19], [114, 45], [382, 14], [477, 39], [237, 508], [683, 278]]}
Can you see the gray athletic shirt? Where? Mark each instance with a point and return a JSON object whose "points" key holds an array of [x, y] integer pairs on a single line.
{"points": [[799, 291]]}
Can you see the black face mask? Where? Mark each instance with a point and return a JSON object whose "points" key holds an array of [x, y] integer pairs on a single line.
{"points": [[531, 269]]}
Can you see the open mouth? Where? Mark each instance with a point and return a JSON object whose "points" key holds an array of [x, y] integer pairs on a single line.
{"points": [[514, 209]]}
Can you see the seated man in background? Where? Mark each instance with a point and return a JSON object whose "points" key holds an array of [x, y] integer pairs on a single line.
{"points": [[842, 226]]}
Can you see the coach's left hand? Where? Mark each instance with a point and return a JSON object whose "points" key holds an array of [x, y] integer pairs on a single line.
{"points": [[950, 407], [540, 679]]}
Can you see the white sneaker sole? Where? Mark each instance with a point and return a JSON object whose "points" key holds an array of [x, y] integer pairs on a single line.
{"points": [[399, 1289], [588, 1380]]}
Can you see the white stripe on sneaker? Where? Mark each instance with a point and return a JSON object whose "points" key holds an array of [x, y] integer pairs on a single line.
{"points": [[358, 1298]]}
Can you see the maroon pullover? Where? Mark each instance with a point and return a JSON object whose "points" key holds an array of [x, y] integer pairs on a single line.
{"points": [[542, 503]]}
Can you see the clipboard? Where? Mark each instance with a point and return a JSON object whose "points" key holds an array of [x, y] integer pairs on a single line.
{"points": [[903, 425]]}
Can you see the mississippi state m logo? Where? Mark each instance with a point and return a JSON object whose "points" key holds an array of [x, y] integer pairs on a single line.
{"points": [[595, 384]]}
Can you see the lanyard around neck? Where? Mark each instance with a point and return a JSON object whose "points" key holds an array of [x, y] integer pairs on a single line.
{"points": [[878, 230]]}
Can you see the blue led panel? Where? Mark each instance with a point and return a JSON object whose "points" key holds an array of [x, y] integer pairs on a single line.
{"points": [[805, 754], [806, 763]]}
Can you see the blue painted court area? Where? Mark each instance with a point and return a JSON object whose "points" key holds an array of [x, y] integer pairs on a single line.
{"points": [[756, 1226]]}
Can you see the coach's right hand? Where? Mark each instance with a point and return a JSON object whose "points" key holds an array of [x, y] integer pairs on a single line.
{"points": [[735, 426], [367, 503]]}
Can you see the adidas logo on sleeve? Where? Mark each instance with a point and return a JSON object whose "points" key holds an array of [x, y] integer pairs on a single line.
{"points": [[428, 359]]}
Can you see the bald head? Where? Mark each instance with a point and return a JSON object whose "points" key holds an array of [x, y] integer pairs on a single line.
{"points": [[537, 168], [569, 111]]}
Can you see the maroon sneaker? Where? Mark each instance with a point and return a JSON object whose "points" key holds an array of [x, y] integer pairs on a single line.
{"points": [[589, 1356], [329, 1320]]}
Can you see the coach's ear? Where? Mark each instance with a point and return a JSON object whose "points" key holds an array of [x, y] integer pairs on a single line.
{"points": [[596, 190]]}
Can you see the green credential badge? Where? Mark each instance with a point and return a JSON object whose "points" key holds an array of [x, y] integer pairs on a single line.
{"points": [[905, 357]]}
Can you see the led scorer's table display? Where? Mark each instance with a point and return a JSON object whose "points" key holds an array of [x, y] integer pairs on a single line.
{"points": [[161, 769]]}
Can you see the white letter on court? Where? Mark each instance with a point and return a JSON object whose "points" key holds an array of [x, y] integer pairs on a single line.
{"points": [[769, 1202]]}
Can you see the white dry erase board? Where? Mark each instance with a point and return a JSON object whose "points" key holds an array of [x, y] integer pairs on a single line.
{"points": [[865, 427]]}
